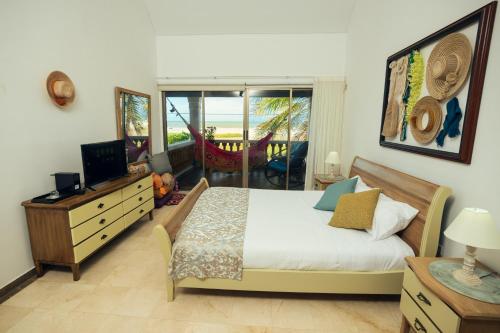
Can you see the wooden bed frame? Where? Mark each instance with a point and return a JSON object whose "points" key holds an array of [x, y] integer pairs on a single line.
{"points": [[422, 235]]}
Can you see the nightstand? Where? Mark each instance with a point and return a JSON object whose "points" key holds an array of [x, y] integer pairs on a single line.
{"points": [[321, 181], [428, 306]]}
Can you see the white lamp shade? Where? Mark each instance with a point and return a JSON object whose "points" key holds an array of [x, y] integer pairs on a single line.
{"points": [[474, 227], [332, 158]]}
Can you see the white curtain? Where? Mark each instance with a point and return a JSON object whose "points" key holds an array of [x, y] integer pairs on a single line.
{"points": [[325, 126]]}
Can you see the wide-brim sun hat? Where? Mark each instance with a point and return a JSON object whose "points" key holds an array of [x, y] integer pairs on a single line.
{"points": [[448, 66], [60, 88], [424, 134]]}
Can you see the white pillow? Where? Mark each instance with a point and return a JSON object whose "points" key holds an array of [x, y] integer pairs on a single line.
{"points": [[390, 216], [361, 186]]}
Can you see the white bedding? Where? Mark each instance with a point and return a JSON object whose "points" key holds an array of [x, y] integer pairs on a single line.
{"points": [[284, 231]]}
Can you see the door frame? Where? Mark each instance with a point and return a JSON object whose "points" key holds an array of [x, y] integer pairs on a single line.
{"points": [[162, 88]]}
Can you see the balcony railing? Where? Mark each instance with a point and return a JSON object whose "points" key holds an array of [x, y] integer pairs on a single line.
{"points": [[138, 140], [274, 147]]}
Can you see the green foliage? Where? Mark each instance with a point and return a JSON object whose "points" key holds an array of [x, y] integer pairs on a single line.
{"points": [[278, 107], [210, 133], [178, 137], [136, 112]]}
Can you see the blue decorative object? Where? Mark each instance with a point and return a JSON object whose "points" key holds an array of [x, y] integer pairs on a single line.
{"points": [[488, 291], [333, 192], [451, 121]]}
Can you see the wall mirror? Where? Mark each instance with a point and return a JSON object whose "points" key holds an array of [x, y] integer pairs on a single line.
{"points": [[133, 122]]}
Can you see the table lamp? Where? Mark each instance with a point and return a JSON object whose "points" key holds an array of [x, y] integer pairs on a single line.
{"points": [[332, 159], [475, 228]]}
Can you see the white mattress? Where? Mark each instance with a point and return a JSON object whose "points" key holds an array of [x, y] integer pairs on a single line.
{"points": [[284, 231]]}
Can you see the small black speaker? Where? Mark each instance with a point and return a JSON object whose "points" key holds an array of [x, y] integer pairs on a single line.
{"points": [[67, 182]]}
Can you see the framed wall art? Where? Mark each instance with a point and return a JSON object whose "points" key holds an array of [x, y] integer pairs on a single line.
{"points": [[433, 89]]}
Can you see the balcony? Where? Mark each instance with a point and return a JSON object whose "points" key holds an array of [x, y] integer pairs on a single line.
{"points": [[182, 160]]}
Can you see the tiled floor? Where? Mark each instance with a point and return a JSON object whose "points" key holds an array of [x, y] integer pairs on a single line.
{"points": [[122, 290]]}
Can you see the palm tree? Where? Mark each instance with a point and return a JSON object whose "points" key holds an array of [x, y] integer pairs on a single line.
{"points": [[136, 112], [278, 107]]}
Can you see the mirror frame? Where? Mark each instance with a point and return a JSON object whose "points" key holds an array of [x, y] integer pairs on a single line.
{"points": [[119, 123]]}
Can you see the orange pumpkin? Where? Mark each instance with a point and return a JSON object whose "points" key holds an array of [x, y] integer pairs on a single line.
{"points": [[157, 182]]}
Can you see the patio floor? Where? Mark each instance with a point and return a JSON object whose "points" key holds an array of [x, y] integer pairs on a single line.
{"points": [[256, 179]]}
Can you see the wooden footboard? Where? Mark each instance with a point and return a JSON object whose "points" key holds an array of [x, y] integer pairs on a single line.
{"points": [[166, 231]]}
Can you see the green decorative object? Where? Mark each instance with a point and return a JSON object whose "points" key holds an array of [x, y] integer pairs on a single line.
{"points": [[488, 291]]}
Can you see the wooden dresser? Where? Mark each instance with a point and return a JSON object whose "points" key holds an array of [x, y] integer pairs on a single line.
{"points": [[69, 231], [428, 306]]}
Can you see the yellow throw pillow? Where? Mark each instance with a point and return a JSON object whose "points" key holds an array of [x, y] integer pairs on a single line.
{"points": [[355, 210]]}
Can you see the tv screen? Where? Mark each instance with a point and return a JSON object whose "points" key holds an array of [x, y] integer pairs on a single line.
{"points": [[103, 161]]}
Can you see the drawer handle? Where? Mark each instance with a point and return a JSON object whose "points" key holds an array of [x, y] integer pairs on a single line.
{"points": [[141, 211], [102, 221], [424, 299], [139, 186], [104, 236], [140, 198], [100, 205], [418, 326]]}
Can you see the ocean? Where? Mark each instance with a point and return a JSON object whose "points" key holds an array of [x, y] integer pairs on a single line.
{"points": [[219, 124]]}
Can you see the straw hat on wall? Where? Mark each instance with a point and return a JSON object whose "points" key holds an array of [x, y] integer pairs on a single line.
{"points": [[448, 66], [431, 107], [60, 88]]}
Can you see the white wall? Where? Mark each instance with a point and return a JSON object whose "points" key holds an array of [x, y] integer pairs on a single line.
{"points": [[381, 28], [251, 55], [100, 45]]}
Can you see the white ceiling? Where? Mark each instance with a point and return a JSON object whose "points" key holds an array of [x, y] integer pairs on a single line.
{"points": [[199, 17]]}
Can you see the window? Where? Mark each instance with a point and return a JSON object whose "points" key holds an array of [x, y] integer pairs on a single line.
{"points": [[188, 104]]}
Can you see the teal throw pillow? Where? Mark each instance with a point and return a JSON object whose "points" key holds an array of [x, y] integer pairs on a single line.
{"points": [[333, 192]]}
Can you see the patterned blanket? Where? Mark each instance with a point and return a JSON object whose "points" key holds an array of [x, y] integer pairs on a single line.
{"points": [[209, 243]]}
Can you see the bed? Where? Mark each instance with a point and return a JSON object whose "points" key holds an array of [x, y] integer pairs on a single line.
{"points": [[298, 263]]}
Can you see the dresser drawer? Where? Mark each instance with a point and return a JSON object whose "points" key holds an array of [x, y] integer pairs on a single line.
{"points": [[437, 310], [138, 212], [137, 200], [415, 316], [93, 208], [137, 187], [87, 229], [88, 246]]}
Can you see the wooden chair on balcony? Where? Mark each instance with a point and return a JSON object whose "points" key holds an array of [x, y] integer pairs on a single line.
{"points": [[276, 168]]}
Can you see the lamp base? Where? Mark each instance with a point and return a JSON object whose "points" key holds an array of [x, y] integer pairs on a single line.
{"points": [[332, 171], [466, 275], [471, 280]]}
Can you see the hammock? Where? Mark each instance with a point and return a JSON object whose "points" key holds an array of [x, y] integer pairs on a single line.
{"points": [[223, 160]]}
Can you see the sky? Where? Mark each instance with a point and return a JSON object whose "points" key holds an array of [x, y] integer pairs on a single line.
{"points": [[217, 109]]}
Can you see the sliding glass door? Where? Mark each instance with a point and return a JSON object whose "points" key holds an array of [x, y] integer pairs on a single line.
{"points": [[183, 132], [249, 137], [299, 137], [224, 138], [268, 137]]}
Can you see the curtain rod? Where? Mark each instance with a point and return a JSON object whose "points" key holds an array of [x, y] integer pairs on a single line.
{"points": [[251, 77], [223, 77]]}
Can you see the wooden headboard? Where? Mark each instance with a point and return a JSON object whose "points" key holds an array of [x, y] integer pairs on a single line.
{"points": [[423, 232]]}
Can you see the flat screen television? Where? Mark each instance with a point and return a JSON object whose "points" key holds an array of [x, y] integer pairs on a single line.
{"points": [[103, 161]]}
